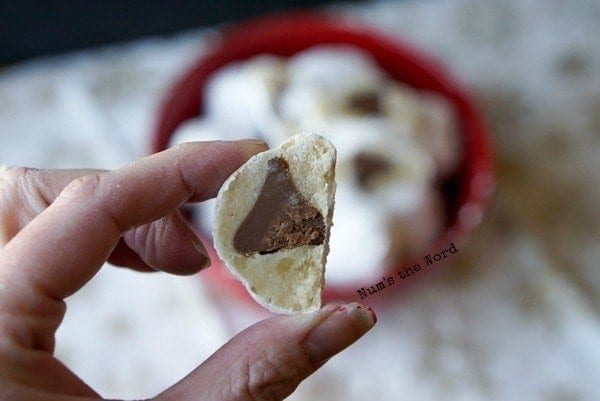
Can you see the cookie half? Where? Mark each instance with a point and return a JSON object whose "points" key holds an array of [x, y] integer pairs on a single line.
{"points": [[272, 222]]}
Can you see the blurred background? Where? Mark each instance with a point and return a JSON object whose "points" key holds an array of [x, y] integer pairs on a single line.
{"points": [[30, 28], [515, 315]]}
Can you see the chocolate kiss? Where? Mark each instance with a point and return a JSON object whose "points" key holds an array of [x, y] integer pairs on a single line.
{"points": [[281, 218], [368, 166]]}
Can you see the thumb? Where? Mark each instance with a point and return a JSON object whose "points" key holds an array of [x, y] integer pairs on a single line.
{"points": [[268, 360]]}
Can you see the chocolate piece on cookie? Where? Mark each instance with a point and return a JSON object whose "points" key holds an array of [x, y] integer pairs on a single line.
{"points": [[272, 223], [282, 218]]}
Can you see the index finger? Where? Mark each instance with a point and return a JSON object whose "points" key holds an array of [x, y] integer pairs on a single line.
{"points": [[64, 246]]}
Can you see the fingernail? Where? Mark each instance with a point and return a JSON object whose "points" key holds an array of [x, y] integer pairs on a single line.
{"points": [[199, 247], [337, 331], [257, 143]]}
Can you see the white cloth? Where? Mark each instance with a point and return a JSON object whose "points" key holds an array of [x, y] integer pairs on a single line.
{"points": [[516, 313]]}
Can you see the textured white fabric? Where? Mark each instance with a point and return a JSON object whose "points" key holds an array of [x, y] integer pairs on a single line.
{"points": [[516, 313]]}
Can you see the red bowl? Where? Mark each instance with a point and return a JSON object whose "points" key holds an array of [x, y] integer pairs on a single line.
{"points": [[466, 193]]}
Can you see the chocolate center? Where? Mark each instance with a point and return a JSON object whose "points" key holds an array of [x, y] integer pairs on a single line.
{"points": [[364, 103], [368, 166], [281, 218]]}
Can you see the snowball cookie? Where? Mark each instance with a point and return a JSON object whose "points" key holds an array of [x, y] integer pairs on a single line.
{"points": [[335, 68], [431, 120], [326, 81], [379, 165], [240, 97], [272, 223]]}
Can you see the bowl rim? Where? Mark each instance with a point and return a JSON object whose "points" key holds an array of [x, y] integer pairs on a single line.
{"points": [[237, 42]]}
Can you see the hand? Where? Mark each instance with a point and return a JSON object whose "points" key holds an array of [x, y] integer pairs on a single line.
{"points": [[59, 227]]}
